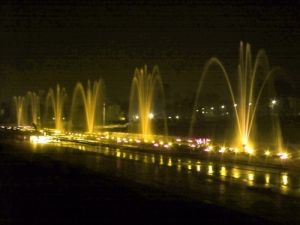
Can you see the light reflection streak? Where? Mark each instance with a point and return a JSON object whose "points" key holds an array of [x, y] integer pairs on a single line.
{"points": [[284, 179], [235, 173], [284, 183], [267, 179], [161, 161], [145, 159], [170, 162], [178, 168], [223, 171], [210, 170], [153, 159], [250, 178]]}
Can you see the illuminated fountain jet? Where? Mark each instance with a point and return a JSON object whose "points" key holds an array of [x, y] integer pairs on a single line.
{"points": [[145, 87], [56, 100], [246, 98], [92, 98], [34, 106], [19, 104]]}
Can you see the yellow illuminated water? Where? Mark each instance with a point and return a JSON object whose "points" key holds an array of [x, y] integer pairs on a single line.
{"points": [[243, 175], [250, 178], [144, 88], [56, 100], [92, 98], [19, 104], [170, 162], [210, 170], [244, 99], [223, 171], [284, 179], [34, 106], [267, 179], [153, 159], [161, 161], [235, 173]]}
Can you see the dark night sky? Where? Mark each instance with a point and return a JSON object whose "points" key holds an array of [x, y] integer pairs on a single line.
{"points": [[44, 43]]}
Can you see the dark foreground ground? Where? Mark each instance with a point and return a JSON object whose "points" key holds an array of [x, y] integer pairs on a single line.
{"points": [[35, 189]]}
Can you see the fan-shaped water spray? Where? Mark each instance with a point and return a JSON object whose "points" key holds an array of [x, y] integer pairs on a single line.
{"points": [[244, 100], [144, 87], [92, 98], [56, 100]]}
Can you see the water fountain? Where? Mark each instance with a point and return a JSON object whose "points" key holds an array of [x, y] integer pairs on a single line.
{"points": [[56, 100], [34, 106], [145, 87], [92, 98], [245, 99], [19, 104]]}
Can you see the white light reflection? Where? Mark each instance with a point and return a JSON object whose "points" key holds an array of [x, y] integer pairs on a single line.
{"points": [[284, 179], [210, 170]]}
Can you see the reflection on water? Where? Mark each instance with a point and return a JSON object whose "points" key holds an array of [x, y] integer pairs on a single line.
{"points": [[251, 178], [179, 168], [267, 179], [82, 147], [145, 159], [161, 161], [235, 173], [284, 183], [218, 182], [285, 179], [153, 159], [223, 171], [170, 162], [210, 170]]}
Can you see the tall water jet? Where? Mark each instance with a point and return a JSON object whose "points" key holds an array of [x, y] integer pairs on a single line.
{"points": [[144, 87], [19, 104], [246, 97], [92, 98], [34, 106], [56, 99]]}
